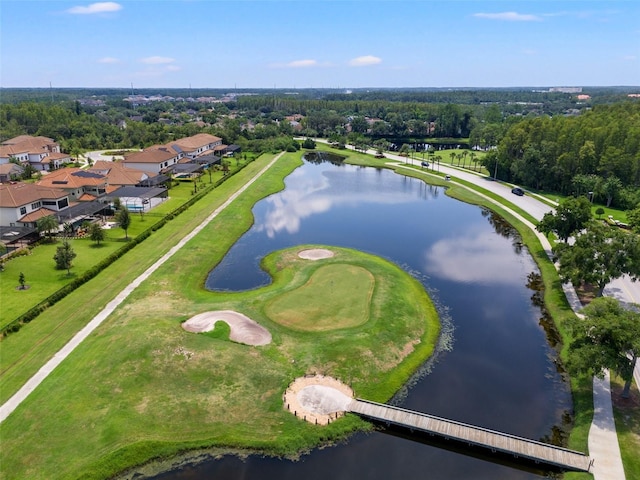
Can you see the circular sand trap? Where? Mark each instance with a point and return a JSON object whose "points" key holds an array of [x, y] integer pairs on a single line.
{"points": [[243, 329], [318, 399], [315, 254]]}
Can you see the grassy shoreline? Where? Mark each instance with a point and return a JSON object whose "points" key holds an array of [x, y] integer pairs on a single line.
{"points": [[114, 460], [105, 387]]}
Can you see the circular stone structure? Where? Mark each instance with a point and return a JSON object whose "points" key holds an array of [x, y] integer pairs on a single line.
{"points": [[318, 399], [243, 329], [315, 254]]}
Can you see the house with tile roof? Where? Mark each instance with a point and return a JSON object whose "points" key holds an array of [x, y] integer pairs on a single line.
{"points": [[196, 145], [155, 159], [80, 185], [120, 175], [162, 158], [42, 153], [10, 172], [22, 204]]}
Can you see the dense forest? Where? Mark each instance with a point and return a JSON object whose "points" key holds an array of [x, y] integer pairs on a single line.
{"points": [[542, 140], [598, 151]]}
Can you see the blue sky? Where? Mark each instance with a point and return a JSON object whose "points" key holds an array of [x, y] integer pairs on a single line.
{"points": [[325, 43]]}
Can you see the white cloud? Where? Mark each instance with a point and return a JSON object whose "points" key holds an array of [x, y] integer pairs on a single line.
{"points": [[173, 68], [108, 60], [630, 58], [364, 61], [156, 60], [99, 7], [508, 16], [302, 63], [530, 51]]}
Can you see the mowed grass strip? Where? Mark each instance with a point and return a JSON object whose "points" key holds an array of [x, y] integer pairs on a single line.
{"points": [[24, 353], [336, 296], [141, 387]]}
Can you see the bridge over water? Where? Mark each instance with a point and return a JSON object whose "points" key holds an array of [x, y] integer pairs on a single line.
{"points": [[519, 447]]}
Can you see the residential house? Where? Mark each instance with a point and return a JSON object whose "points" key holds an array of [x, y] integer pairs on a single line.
{"points": [[120, 175], [155, 159], [25, 203], [196, 145], [42, 153], [10, 172], [162, 158], [80, 185]]}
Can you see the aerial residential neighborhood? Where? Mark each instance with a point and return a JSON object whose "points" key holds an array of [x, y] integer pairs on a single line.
{"points": [[60, 188]]}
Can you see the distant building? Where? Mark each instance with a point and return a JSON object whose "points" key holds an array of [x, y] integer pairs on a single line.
{"points": [[566, 89], [42, 153]]}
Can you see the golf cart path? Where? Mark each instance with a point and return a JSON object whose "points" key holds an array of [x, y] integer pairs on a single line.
{"points": [[10, 405]]}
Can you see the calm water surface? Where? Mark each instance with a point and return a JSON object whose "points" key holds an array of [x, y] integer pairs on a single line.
{"points": [[499, 373]]}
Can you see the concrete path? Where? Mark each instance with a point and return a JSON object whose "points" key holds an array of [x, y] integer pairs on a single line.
{"points": [[603, 439], [10, 405]]}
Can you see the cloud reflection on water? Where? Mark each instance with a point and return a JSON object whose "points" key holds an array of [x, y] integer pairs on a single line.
{"points": [[475, 257], [307, 195]]}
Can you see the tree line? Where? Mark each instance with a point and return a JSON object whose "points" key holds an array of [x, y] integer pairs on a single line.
{"points": [[595, 154]]}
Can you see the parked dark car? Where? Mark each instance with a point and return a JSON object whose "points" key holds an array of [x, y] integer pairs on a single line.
{"points": [[517, 191], [425, 164]]}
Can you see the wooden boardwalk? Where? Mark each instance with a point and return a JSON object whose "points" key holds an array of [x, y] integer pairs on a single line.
{"points": [[495, 441]]}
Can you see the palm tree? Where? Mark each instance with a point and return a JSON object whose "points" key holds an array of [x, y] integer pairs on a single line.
{"points": [[474, 160], [47, 225]]}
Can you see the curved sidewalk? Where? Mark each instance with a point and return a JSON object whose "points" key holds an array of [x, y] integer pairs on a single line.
{"points": [[10, 405]]}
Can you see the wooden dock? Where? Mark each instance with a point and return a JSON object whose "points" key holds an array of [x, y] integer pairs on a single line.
{"points": [[519, 447]]}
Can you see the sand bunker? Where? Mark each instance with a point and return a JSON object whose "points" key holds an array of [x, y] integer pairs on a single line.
{"points": [[318, 399], [315, 254], [243, 329]]}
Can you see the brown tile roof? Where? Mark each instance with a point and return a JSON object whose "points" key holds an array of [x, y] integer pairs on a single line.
{"points": [[87, 197], [155, 154], [27, 143], [37, 215], [18, 194], [7, 168], [119, 174], [72, 178], [189, 144]]}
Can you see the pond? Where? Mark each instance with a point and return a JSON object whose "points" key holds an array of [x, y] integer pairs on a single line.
{"points": [[498, 370]]}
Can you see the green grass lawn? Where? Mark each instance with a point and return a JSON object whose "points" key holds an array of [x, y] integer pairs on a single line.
{"points": [[39, 267], [41, 275], [141, 386], [132, 352], [347, 288], [627, 415]]}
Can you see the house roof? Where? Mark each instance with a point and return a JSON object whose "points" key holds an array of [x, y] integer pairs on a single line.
{"points": [[18, 194], [26, 143], [72, 178], [194, 142], [119, 174], [36, 215], [155, 154], [8, 168], [87, 197]]}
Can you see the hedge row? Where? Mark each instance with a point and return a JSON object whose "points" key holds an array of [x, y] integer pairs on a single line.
{"points": [[58, 295]]}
